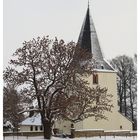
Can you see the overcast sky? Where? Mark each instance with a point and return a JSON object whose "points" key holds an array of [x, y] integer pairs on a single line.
{"points": [[114, 20]]}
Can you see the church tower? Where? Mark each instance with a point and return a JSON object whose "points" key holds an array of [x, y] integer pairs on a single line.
{"points": [[104, 76]]}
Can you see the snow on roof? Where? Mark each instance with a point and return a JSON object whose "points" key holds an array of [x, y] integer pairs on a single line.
{"points": [[34, 120], [109, 65], [105, 70], [8, 123]]}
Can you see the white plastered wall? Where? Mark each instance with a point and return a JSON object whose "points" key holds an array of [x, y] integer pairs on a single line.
{"points": [[115, 119]]}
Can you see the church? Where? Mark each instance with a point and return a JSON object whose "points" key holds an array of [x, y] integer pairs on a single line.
{"points": [[104, 75]]}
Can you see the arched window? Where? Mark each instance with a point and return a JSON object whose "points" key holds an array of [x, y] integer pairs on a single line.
{"points": [[95, 78]]}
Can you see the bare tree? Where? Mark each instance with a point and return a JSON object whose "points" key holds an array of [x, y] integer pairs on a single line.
{"points": [[53, 74], [127, 85]]}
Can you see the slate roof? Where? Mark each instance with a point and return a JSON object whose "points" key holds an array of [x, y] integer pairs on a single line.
{"points": [[88, 40]]}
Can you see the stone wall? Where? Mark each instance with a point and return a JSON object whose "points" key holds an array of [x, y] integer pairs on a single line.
{"points": [[94, 133]]}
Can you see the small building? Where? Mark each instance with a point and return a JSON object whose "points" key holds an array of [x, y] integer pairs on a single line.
{"points": [[8, 126], [31, 124]]}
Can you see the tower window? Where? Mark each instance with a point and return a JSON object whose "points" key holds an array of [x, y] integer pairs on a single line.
{"points": [[95, 78]]}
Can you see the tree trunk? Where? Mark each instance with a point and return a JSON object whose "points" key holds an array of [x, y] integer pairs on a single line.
{"points": [[125, 105], [120, 95], [121, 103], [131, 104], [47, 130]]}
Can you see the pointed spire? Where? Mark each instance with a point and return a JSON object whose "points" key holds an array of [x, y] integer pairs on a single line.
{"points": [[88, 40], [84, 38], [88, 4]]}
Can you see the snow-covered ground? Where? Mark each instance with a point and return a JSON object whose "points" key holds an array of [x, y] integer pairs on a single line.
{"points": [[54, 138]]}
